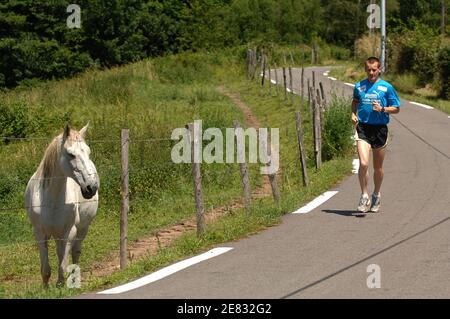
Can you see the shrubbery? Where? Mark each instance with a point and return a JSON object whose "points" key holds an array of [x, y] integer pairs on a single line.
{"points": [[415, 51], [444, 72], [13, 119], [337, 129]]}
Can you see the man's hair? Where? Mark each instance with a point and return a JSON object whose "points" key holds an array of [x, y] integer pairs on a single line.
{"points": [[372, 60]]}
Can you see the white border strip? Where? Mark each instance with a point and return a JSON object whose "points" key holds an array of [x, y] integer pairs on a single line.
{"points": [[273, 81], [316, 202], [349, 84], [332, 78], [167, 271], [422, 105], [355, 165]]}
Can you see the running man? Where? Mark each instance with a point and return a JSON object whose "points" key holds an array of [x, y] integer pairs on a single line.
{"points": [[373, 100]]}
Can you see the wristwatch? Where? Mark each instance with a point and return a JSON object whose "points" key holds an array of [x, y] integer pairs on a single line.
{"points": [[382, 109]]}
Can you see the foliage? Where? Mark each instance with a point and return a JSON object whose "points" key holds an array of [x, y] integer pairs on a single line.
{"points": [[415, 50], [444, 72], [13, 119], [36, 44], [406, 82], [337, 129]]}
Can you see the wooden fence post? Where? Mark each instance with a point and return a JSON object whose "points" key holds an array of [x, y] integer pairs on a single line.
{"points": [[290, 83], [263, 69], [321, 104], [124, 208], [284, 83], [276, 79], [270, 79], [256, 63], [244, 171], [302, 83], [301, 148], [197, 177], [317, 134], [316, 51], [314, 80], [249, 62], [323, 94], [272, 177], [309, 98]]}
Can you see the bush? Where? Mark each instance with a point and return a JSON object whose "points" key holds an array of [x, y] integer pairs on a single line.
{"points": [[337, 129], [406, 83], [13, 119], [444, 72], [416, 51]]}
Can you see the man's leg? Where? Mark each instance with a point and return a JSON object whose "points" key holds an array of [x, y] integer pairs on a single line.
{"points": [[378, 158], [363, 172]]}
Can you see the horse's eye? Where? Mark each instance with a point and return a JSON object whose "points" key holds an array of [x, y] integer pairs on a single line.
{"points": [[71, 156]]}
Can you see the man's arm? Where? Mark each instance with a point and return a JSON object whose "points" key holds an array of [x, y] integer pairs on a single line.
{"points": [[387, 109], [354, 107], [392, 109]]}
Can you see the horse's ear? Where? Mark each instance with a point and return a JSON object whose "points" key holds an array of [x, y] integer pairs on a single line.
{"points": [[66, 132], [84, 130]]}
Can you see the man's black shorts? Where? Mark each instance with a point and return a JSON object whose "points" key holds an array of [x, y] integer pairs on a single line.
{"points": [[375, 135]]}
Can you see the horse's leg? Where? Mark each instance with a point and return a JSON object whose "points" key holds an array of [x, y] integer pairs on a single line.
{"points": [[76, 247], [63, 246], [42, 241]]}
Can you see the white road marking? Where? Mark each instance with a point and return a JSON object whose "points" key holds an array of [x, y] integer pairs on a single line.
{"points": [[326, 73], [167, 271], [332, 79], [422, 105], [349, 84], [355, 165], [316, 202]]}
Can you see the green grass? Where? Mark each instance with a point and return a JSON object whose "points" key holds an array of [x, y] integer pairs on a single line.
{"points": [[151, 98]]}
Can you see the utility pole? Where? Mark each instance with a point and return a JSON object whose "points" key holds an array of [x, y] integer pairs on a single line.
{"points": [[383, 36]]}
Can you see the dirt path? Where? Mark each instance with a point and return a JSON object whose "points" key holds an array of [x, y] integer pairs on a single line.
{"points": [[151, 244]]}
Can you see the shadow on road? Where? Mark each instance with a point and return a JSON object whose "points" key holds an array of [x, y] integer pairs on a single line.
{"points": [[342, 212]]}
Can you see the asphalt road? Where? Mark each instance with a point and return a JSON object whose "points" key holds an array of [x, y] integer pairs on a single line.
{"points": [[327, 252]]}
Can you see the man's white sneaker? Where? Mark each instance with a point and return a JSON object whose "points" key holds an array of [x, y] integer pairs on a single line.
{"points": [[364, 205], [376, 203]]}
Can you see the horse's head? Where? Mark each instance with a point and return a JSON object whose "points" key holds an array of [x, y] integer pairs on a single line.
{"points": [[75, 162]]}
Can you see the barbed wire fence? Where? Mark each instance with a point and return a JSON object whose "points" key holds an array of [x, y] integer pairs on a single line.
{"points": [[122, 175], [315, 104], [310, 93]]}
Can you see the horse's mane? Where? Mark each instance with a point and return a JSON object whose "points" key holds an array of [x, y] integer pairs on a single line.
{"points": [[48, 164]]}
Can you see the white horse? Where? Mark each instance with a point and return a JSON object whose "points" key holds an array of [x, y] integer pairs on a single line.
{"points": [[61, 199]]}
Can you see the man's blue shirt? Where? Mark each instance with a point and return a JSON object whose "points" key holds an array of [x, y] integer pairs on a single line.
{"points": [[366, 92]]}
